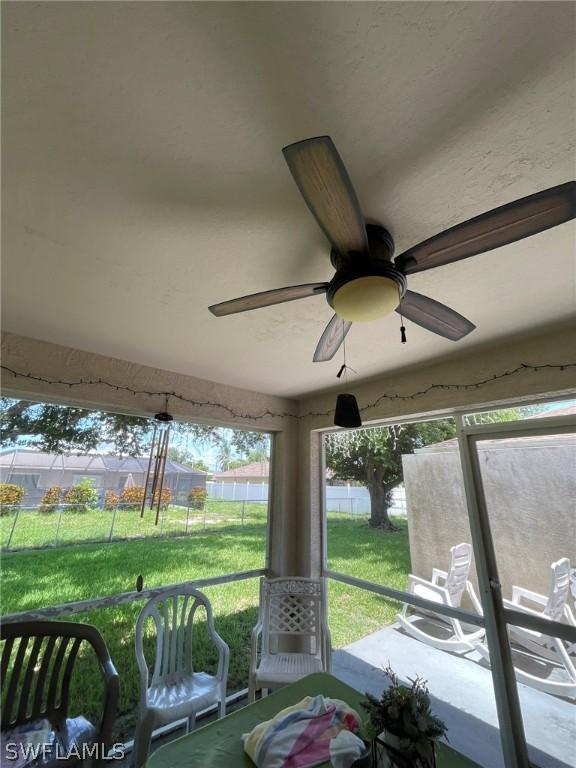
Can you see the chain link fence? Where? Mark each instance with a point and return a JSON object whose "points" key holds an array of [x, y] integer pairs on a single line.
{"points": [[29, 527]]}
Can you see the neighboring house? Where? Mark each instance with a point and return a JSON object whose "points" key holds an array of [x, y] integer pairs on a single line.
{"points": [[36, 471], [249, 483], [257, 472]]}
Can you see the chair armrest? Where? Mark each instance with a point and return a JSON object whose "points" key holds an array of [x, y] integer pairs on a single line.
{"points": [[438, 574], [523, 609], [223, 657], [569, 616], [474, 598], [519, 593], [111, 693], [414, 581], [256, 632]]}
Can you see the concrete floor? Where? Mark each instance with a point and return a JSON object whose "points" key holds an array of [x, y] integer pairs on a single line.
{"points": [[463, 698]]}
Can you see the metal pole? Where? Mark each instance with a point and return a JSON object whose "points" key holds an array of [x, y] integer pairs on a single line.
{"points": [[187, 516], [115, 510], [505, 690], [243, 503], [13, 526], [152, 446], [58, 526]]}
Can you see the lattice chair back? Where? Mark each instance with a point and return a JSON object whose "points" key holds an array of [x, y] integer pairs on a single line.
{"points": [[559, 588], [36, 670], [173, 613], [458, 571], [291, 607]]}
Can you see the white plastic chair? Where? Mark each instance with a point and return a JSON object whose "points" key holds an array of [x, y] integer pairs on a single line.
{"points": [[446, 588], [553, 607], [291, 610], [175, 691]]}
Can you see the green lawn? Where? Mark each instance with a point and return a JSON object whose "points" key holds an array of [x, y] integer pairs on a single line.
{"points": [[41, 529], [47, 577]]}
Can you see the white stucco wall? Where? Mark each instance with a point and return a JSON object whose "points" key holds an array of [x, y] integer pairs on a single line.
{"points": [[530, 489]]}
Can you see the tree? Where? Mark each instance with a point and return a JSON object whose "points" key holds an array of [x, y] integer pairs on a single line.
{"points": [[59, 429], [373, 457], [181, 455], [224, 455], [63, 429], [258, 455]]}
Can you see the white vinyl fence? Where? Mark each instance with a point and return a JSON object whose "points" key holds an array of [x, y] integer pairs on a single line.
{"points": [[347, 499]]}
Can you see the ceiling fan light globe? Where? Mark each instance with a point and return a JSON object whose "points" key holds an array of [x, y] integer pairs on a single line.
{"points": [[366, 298]]}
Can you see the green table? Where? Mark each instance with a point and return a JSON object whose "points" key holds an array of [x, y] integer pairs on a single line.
{"points": [[218, 745]]}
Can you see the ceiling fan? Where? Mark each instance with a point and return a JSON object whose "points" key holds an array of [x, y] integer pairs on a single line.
{"points": [[367, 284]]}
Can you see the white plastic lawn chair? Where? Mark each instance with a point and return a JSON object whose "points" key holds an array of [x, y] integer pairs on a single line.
{"points": [[291, 610], [541, 646], [175, 691], [445, 588]]}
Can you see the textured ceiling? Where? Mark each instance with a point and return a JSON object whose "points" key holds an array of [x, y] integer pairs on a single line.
{"points": [[143, 177]]}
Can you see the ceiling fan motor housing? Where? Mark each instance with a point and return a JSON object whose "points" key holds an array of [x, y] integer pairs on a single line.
{"points": [[366, 289], [380, 243]]}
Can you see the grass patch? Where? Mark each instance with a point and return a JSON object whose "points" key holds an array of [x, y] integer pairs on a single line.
{"points": [[355, 549], [41, 578], [63, 526]]}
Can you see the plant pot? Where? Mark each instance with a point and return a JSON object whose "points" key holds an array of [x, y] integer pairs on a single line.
{"points": [[386, 754]]}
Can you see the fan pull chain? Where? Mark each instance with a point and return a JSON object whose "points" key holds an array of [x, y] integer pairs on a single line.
{"points": [[344, 368], [402, 328]]}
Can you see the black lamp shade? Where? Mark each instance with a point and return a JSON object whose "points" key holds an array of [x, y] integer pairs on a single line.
{"points": [[347, 413]]}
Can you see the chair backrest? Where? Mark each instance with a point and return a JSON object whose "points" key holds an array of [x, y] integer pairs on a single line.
{"points": [[458, 571], [173, 612], [559, 587], [36, 668], [291, 607]]}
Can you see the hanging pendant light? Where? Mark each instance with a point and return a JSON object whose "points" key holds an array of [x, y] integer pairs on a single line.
{"points": [[347, 413], [154, 484]]}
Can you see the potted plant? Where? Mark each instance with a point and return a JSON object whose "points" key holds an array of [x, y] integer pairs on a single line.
{"points": [[401, 724]]}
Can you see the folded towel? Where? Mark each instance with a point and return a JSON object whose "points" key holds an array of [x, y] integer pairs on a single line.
{"points": [[345, 749], [299, 736]]}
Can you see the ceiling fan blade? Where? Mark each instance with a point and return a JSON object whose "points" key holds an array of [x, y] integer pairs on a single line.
{"points": [[330, 341], [324, 184], [267, 298], [433, 316], [498, 227]]}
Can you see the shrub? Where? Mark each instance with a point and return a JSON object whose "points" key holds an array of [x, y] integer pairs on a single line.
{"points": [[131, 498], [10, 497], [165, 497], [111, 499], [81, 497], [51, 499], [197, 497]]}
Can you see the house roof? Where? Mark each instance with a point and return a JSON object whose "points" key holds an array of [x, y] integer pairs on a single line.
{"points": [[155, 132], [27, 458], [530, 440], [256, 469]]}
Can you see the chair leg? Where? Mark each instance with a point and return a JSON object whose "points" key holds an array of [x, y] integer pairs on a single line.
{"points": [[191, 722], [251, 689], [222, 703], [142, 739]]}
